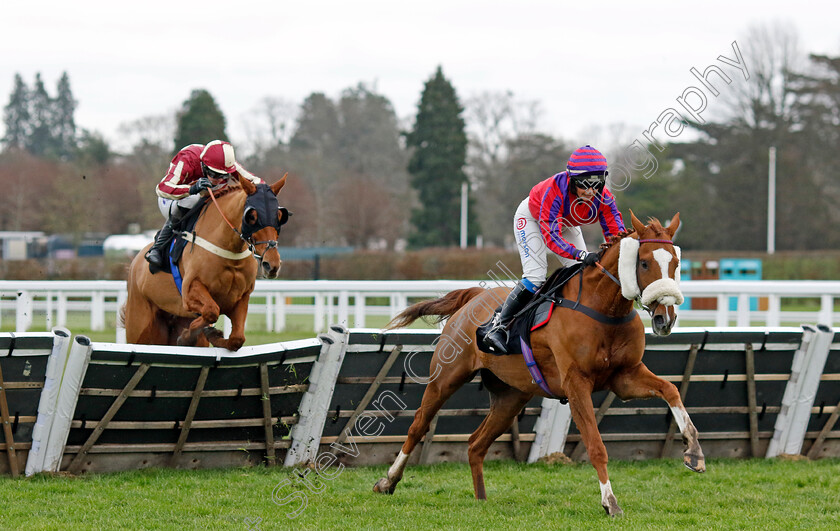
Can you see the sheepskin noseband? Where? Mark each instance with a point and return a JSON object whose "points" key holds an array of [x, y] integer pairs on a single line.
{"points": [[665, 290]]}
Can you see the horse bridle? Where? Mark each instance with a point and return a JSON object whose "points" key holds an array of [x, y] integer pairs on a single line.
{"points": [[638, 298], [249, 241]]}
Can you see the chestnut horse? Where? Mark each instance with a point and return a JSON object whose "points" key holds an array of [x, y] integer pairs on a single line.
{"points": [[218, 271], [577, 353]]}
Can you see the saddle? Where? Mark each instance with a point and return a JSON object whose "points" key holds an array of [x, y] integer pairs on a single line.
{"points": [[533, 316]]}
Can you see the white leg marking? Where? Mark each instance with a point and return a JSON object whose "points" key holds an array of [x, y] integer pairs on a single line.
{"points": [[681, 416], [398, 466], [606, 490]]}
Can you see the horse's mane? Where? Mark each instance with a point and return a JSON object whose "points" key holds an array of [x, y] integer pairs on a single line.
{"points": [[616, 238], [227, 190], [654, 224]]}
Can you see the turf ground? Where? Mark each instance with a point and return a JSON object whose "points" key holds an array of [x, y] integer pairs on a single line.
{"points": [[659, 494]]}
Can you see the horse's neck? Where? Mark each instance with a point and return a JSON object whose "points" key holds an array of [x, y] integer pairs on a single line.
{"points": [[599, 291], [213, 227]]}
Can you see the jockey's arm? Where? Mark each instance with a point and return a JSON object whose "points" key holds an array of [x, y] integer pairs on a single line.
{"points": [[241, 171]]}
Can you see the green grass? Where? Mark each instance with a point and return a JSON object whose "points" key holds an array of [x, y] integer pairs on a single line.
{"points": [[733, 494]]}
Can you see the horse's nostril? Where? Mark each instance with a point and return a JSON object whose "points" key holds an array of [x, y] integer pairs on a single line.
{"points": [[658, 320]]}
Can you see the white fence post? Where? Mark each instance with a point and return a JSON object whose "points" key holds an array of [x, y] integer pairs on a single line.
{"points": [[359, 310], [23, 311], [774, 310], [97, 311], [826, 309]]}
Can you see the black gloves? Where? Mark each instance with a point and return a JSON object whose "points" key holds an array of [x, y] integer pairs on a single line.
{"points": [[200, 185], [589, 259]]}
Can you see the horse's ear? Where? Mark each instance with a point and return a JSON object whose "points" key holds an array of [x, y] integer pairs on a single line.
{"points": [[247, 185], [673, 225], [638, 225], [279, 184]]}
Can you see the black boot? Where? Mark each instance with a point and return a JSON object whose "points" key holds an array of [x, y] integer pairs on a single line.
{"points": [[156, 255], [498, 335]]}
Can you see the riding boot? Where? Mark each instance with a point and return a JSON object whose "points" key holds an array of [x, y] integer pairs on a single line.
{"points": [[155, 256], [497, 337]]}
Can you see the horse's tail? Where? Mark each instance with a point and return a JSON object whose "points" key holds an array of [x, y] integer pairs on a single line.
{"points": [[442, 308]]}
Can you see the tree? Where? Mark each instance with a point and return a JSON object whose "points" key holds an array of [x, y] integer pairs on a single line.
{"points": [[16, 116], [41, 141], [506, 158], [436, 167], [199, 121], [63, 123]]}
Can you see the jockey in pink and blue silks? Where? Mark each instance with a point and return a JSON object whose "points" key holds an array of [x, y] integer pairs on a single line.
{"points": [[549, 219]]}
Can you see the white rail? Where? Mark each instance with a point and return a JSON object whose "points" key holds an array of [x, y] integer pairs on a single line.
{"points": [[336, 301]]}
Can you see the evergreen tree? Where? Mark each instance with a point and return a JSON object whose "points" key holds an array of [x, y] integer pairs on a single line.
{"points": [[437, 165], [16, 116], [199, 121], [63, 121], [40, 141]]}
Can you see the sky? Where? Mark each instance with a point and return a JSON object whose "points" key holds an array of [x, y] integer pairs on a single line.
{"points": [[588, 66]]}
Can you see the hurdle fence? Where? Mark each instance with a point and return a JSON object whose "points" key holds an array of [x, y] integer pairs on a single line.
{"points": [[68, 404]]}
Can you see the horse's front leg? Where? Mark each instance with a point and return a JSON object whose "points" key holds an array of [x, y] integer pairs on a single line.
{"points": [[579, 392], [639, 382], [237, 331], [197, 299]]}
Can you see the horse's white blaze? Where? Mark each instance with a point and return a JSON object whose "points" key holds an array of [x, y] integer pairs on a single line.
{"points": [[663, 258], [398, 466], [606, 491], [681, 416]]}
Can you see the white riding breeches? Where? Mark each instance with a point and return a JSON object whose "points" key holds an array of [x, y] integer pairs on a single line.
{"points": [[168, 206], [532, 248]]}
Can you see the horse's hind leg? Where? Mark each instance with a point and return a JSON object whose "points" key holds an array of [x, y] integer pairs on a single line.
{"points": [[639, 382], [450, 378], [505, 403]]}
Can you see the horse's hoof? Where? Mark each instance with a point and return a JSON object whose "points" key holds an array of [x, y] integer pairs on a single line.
{"points": [[612, 509], [383, 486], [214, 336], [695, 462]]}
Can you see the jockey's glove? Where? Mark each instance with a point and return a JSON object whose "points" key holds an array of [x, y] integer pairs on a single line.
{"points": [[588, 259], [200, 185]]}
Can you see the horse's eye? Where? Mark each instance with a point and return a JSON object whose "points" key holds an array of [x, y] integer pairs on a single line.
{"points": [[643, 264]]}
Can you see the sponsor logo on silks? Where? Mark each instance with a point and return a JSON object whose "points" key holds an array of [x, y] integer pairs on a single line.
{"points": [[524, 243], [520, 223]]}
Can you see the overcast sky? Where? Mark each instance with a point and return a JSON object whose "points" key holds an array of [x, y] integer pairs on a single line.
{"points": [[586, 65]]}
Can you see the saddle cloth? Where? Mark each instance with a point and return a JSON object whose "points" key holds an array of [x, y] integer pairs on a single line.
{"points": [[534, 316]]}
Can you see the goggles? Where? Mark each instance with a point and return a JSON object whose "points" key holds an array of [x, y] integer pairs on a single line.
{"points": [[212, 175], [593, 180]]}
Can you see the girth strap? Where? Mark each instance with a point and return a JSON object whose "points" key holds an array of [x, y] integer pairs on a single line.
{"points": [[598, 316]]}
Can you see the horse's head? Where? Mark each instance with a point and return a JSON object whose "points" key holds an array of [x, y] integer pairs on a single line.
{"points": [[262, 218], [649, 270]]}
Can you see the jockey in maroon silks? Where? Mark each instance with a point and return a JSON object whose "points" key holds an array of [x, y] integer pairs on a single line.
{"points": [[193, 170], [549, 219]]}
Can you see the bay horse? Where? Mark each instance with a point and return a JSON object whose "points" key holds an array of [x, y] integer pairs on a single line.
{"points": [[578, 354], [218, 272]]}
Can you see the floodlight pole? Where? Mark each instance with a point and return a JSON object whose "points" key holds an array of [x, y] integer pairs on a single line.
{"points": [[465, 187], [771, 202]]}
